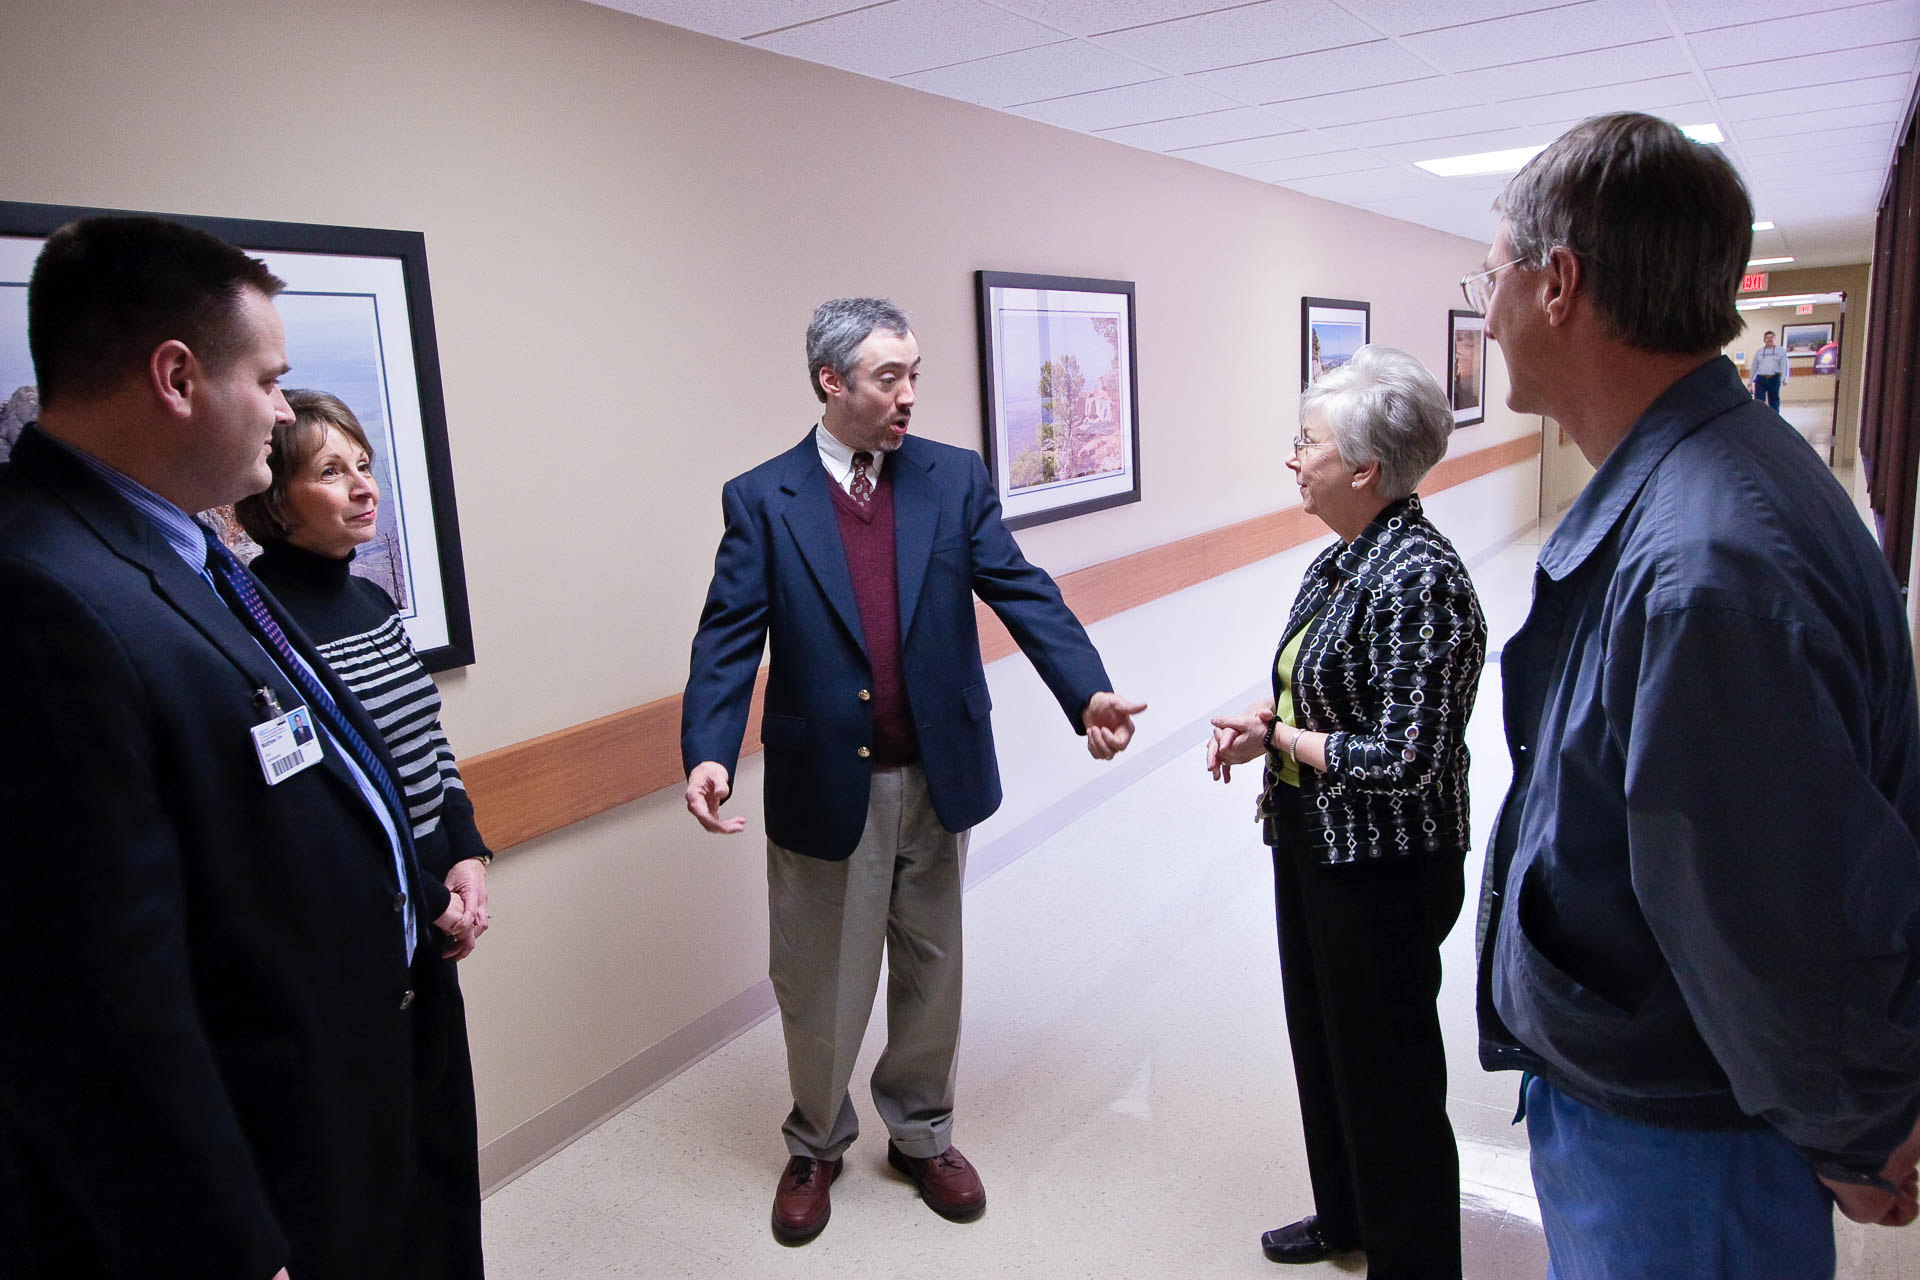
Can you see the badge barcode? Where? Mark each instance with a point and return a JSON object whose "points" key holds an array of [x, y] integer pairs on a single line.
{"points": [[283, 767]]}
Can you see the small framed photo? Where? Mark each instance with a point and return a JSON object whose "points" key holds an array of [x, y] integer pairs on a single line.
{"points": [[1806, 339], [1060, 394], [1467, 366], [359, 324], [1331, 330]]}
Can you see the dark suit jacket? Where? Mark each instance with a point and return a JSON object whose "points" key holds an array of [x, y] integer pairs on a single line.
{"points": [[205, 1062], [781, 572]]}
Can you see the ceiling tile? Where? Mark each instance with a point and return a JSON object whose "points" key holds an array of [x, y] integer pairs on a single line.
{"points": [[1246, 33], [1071, 66], [1232, 125], [1700, 15], [1254, 150], [1793, 143], [1883, 23], [1384, 103], [1167, 99], [1337, 162], [1399, 17], [1429, 124], [1625, 64], [1467, 144], [1838, 172], [1819, 97], [1307, 75], [1790, 122], [1089, 17], [1817, 68], [1395, 182], [1655, 97], [904, 36], [1878, 152], [1575, 28], [735, 19]]}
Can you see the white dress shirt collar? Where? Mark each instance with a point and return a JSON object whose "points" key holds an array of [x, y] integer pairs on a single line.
{"points": [[837, 457]]}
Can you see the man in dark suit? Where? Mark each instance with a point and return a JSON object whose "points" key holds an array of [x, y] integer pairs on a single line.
{"points": [[859, 551], [206, 945]]}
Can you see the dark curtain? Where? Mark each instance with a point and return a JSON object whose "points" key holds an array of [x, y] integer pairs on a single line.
{"points": [[1890, 396]]}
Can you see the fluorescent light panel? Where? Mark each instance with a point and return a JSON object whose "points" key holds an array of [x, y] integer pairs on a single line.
{"points": [[1767, 262], [1763, 226], [1515, 159]]}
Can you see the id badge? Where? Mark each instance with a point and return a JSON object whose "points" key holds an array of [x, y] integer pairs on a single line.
{"points": [[286, 744]]}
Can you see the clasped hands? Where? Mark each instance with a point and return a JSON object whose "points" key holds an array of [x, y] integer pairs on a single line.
{"points": [[465, 918], [1238, 740], [1108, 718]]}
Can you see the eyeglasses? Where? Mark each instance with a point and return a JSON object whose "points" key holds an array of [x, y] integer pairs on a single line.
{"points": [[1301, 444], [1478, 287]]}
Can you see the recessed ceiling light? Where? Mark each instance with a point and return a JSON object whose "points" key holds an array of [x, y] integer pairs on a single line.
{"points": [[1767, 262], [1763, 226], [1515, 159]]}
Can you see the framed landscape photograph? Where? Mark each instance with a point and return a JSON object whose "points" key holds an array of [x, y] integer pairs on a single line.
{"points": [[1331, 330], [1467, 367], [359, 323], [1060, 395], [1806, 339]]}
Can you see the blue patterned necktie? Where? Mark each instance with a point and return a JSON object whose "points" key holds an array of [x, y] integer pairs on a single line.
{"points": [[244, 598]]}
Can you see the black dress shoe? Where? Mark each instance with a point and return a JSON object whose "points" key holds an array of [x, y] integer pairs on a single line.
{"points": [[1301, 1241]]}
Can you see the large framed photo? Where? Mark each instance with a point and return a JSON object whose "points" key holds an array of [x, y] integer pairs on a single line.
{"points": [[359, 322], [1467, 366], [1060, 395], [1806, 339], [1331, 330]]}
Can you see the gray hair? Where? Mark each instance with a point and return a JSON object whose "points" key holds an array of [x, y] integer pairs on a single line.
{"points": [[839, 327], [1661, 224], [1384, 406]]}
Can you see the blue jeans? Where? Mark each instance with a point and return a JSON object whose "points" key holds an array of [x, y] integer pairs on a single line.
{"points": [[1767, 387], [1622, 1200]]}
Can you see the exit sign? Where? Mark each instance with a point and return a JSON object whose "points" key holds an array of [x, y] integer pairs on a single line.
{"points": [[1754, 282], [1804, 309]]}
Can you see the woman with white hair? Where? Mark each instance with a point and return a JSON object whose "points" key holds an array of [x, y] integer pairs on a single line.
{"points": [[1365, 806]]}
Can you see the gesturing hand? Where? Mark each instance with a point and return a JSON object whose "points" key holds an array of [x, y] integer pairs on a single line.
{"points": [[1109, 721], [707, 790]]}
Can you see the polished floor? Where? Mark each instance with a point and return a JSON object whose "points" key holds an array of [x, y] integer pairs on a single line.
{"points": [[1125, 1085]]}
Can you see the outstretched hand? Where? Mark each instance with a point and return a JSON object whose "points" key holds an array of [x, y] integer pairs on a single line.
{"points": [[1109, 721], [707, 790], [1237, 740]]}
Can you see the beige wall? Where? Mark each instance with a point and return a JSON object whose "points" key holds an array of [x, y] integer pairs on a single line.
{"points": [[1804, 386], [627, 227]]}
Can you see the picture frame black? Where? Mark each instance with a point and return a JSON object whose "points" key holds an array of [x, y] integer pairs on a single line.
{"points": [[1467, 367], [1059, 442], [1806, 339], [349, 282], [1331, 330]]}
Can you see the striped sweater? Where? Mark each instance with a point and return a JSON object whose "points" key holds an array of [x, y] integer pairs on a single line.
{"points": [[357, 630]]}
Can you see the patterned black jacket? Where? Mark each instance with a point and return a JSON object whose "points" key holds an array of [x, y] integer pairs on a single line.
{"points": [[1389, 669]]}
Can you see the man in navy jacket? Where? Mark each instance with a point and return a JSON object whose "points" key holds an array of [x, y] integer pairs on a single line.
{"points": [[858, 553]]}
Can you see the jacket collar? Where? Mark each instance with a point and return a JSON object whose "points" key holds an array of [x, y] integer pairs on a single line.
{"points": [[1350, 561], [1681, 409]]}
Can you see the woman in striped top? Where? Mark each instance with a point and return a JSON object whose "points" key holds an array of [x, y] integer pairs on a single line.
{"points": [[323, 504]]}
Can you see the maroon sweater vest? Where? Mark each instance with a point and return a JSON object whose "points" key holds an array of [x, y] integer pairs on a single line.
{"points": [[867, 537]]}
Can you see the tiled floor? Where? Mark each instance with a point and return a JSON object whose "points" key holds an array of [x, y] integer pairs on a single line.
{"points": [[1125, 1083]]}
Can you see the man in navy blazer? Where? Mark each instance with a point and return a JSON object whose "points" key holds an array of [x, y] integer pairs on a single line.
{"points": [[207, 995], [858, 553]]}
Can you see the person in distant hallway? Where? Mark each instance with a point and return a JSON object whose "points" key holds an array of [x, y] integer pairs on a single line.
{"points": [[214, 923], [322, 505], [1771, 369], [858, 553], [1365, 806], [1701, 925]]}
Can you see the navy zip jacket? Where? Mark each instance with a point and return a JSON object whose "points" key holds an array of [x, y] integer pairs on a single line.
{"points": [[1703, 894]]}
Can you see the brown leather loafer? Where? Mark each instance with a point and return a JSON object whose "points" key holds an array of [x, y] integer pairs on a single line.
{"points": [[801, 1204], [947, 1182]]}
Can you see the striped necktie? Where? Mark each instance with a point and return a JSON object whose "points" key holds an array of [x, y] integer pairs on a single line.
{"points": [[244, 599]]}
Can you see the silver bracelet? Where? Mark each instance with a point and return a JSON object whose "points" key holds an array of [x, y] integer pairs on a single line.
{"points": [[1293, 746]]}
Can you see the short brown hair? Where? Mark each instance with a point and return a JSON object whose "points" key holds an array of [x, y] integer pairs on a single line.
{"points": [[264, 515], [106, 291], [1661, 224]]}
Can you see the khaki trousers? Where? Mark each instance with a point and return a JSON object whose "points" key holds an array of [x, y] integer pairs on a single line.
{"points": [[899, 893]]}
